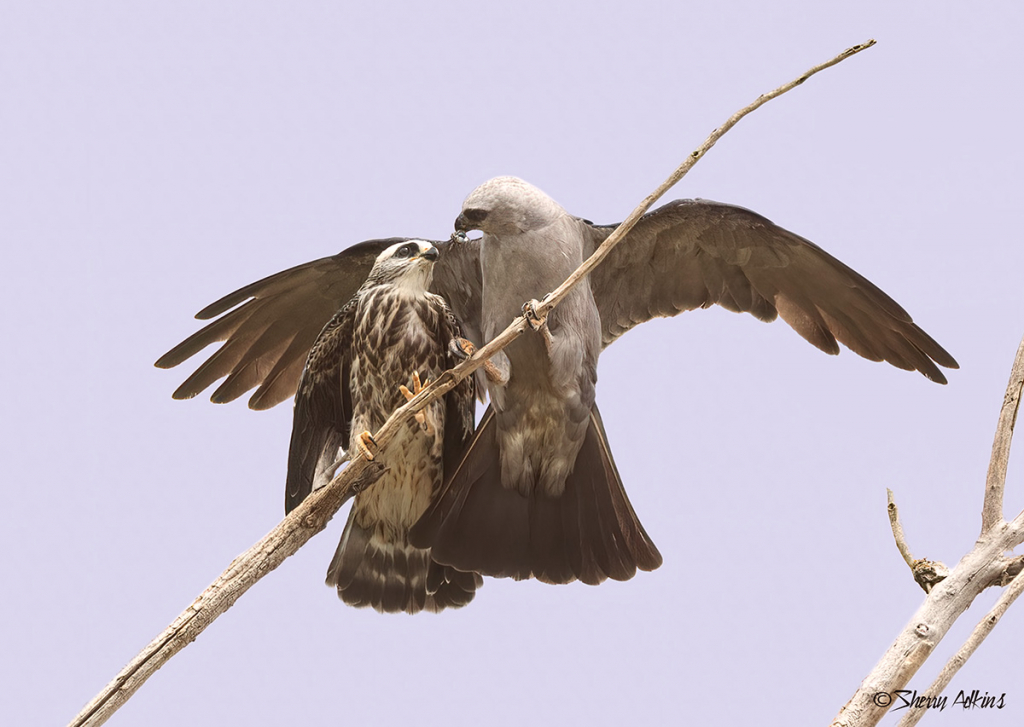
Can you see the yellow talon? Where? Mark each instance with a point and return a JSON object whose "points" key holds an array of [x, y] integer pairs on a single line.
{"points": [[367, 445], [461, 348], [535, 320], [417, 387]]}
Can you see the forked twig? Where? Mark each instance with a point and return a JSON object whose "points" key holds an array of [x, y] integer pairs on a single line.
{"points": [[980, 633], [926, 572], [985, 565]]}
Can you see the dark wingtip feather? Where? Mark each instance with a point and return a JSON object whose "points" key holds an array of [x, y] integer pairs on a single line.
{"points": [[264, 399], [935, 375], [185, 350], [215, 332], [184, 392], [226, 303]]}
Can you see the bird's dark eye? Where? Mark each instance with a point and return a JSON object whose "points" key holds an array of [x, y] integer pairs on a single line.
{"points": [[475, 216], [407, 250]]}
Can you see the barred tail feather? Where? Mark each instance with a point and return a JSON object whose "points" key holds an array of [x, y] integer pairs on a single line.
{"points": [[394, 577]]}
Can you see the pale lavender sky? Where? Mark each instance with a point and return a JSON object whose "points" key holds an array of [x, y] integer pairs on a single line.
{"points": [[156, 157]]}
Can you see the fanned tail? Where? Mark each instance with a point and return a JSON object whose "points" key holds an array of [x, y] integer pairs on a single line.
{"points": [[590, 532], [394, 576]]}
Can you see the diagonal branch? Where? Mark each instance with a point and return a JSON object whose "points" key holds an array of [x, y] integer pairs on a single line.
{"points": [[444, 383], [985, 565], [995, 482], [244, 571], [926, 628], [315, 511], [981, 631], [552, 299]]}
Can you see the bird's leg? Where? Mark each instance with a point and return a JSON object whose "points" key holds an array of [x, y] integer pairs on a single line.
{"points": [[497, 368], [538, 323], [328, 474], [417, 387], [535, 319], [366, 444], [461, 348]]}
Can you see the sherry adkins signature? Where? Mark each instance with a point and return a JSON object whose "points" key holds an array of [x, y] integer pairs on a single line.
{"points": [[904, 698]]}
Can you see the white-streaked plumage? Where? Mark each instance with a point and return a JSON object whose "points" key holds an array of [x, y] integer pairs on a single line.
{"points": [[391, 328]]}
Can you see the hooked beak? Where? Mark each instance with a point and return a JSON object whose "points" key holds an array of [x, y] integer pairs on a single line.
{"points": [[431, 254], [470, 219]]}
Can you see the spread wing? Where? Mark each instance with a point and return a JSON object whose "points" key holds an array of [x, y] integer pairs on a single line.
{"points": [[323, 407], [268, 336], [694, 253]]}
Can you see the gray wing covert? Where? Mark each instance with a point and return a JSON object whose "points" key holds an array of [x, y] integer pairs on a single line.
{"points": [[696, 253]]}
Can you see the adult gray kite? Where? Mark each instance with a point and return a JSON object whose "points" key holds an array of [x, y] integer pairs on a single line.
{"points": [[524, 515], [351, 384]]}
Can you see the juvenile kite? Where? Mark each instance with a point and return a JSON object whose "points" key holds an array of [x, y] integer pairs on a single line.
{"points": [[353, 380]]}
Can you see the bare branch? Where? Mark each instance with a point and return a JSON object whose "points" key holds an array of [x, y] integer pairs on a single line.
{"points": [[982, 567], [552, 299], [1011, 570], [897, 531], [448, 380], [315, 511], [995, 482], [305, 521], [926, 572], [929, 573], [981, 631], [925, 630]]}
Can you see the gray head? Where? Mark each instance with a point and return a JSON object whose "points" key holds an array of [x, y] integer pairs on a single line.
{"points": [[507, 206], [409, 264]]}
